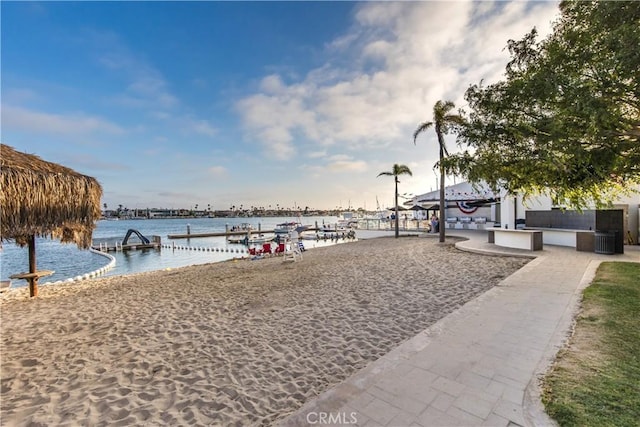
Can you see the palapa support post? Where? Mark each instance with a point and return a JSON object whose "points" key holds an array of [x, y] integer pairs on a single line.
{"points": [[33, 283]]}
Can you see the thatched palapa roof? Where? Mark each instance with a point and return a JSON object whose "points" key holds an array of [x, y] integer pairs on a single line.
{"points": [[43, 199]]}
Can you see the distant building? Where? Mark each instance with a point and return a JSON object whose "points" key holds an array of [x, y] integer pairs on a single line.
{"points": [[463, 200]]}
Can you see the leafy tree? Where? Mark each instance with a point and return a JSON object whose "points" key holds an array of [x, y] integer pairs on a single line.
{"points": [[566, 121], [395, 173], [443, 121]]}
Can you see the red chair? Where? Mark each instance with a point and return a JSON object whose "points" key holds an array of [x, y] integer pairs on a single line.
{"points": [[280, 248], [266, 248], [253, 251]]}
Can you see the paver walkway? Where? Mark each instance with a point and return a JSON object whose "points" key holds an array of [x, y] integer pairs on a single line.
{"points": [[477, 366]]}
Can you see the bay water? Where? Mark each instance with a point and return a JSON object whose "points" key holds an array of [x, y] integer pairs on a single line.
{"points": [[68, 261]]}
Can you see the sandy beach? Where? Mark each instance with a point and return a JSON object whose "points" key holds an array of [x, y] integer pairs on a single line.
{"points": [[243, 342]]}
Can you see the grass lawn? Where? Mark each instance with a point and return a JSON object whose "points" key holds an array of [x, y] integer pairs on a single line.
{"points": [[596, 379]]}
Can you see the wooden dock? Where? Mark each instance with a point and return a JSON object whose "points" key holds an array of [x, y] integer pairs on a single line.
{"points": [[129, 247], [111, 244], [227, 233], [218, 234]]}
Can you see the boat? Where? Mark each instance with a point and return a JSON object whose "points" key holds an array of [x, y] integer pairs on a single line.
{"points": [[245, 226], [244, 240], [340, 226], [333, 235], [309, 235], [286, 227]]}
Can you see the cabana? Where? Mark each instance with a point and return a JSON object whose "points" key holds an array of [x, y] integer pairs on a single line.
{"points": [[44, 199]]}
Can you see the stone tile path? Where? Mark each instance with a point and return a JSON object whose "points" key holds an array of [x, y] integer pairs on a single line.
{"points": [[479, 365]]}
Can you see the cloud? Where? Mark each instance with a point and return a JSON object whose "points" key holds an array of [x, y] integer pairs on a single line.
{"points": [[336, 163], [275, 118], [272, 84], [19, 95], [347, 166], [146, 87], [202, 127], [316, 154], [17, 118], [217, 171], [385, 74]]}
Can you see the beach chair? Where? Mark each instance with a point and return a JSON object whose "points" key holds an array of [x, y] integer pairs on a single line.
{"points": [[266, 249], [280, 249], [255, 251]]}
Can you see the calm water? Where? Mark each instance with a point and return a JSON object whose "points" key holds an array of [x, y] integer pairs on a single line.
{"points": [[68, 261]]}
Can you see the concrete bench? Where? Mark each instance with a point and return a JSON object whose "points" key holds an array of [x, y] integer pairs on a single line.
{"points": [[582, 240], [519, 239]]}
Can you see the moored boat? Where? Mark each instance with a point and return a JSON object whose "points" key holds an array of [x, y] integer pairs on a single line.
{"points": [[286, 227], [248, 241]]}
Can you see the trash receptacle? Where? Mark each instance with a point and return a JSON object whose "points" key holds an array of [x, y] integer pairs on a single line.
{"points": [[605, 242]]}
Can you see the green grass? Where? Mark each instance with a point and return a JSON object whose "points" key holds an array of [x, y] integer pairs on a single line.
{"points": [[596, 380]]}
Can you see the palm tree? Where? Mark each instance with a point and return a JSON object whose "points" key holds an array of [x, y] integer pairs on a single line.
{"points": [[443, 121], [396, 172]]}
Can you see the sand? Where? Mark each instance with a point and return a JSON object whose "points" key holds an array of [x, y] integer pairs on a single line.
{"points": [[243, 342]]}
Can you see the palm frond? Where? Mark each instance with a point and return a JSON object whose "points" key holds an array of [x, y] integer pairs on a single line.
{"points": [[441, 110], [401, 170], [424, 126]]}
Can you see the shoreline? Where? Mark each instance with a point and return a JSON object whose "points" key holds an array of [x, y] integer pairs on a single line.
{"points": [[235, 342], [197, 250]]}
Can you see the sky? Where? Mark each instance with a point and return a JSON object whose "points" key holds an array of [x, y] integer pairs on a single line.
{"points": [[252, 104]]}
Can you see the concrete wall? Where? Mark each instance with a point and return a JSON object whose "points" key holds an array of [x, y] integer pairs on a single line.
{"points": [[512, 209], [573, 220]]}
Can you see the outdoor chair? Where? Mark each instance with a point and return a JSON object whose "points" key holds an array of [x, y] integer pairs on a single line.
{"points": [[255, 251], [266, 249]]}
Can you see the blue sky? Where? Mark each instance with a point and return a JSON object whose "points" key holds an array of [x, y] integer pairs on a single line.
{"points": [[173, 104]]}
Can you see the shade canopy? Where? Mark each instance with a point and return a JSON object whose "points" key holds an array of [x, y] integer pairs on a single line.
{"points": [[44, 199], [418, 208], [301, 228]]}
